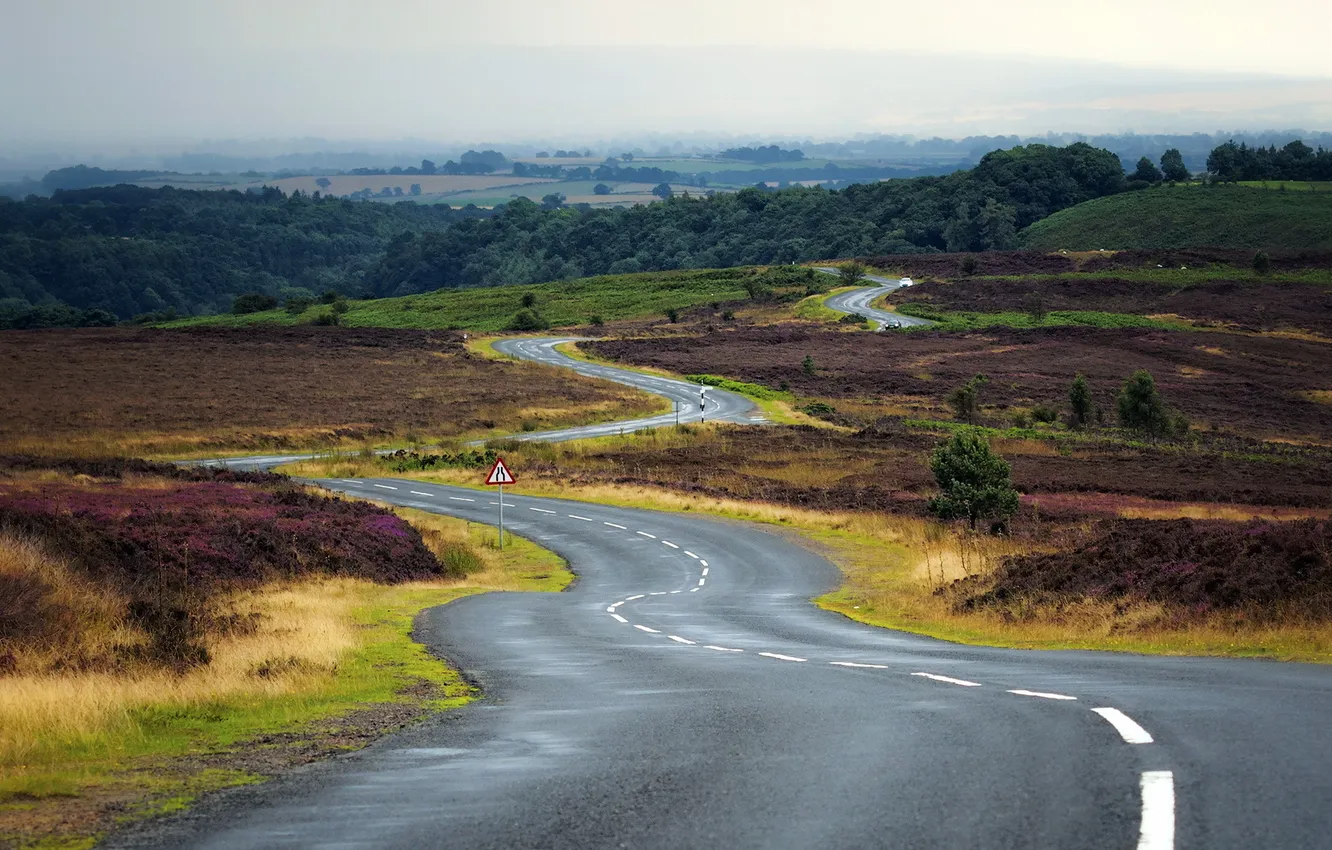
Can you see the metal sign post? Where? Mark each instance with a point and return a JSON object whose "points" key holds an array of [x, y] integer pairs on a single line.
{"points": [[500, 475]]}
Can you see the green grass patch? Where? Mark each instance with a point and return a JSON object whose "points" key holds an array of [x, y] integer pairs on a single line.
{"points": [[1290, 185], [967, 321], [1190, 216], [491, 309], [754, 391]]}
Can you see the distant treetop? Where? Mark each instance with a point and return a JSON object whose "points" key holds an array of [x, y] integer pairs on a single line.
{"points": [[763, 155]]}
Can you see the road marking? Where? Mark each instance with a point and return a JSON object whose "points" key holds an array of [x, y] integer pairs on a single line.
{"points": [[721, 648], [1126, 726], [677, 591], [690, 554], [681, 640], [351, 481], [646, 629], [856, 664], [657, 593], [1158, 811], [613, 525], [576, 516], [611, 609], [701, 582], [670, 544], [645, 534], [781, 657], [385, 487], [632, 598], [617, 604], [461, 499], [702, 562], [419, 493], [618, 617], [541, 510], [705, 571], [1040, 694], [963, 682], [693, 590]]}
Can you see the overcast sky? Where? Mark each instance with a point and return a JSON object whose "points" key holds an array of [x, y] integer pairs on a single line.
{"points": [[86, 71]]}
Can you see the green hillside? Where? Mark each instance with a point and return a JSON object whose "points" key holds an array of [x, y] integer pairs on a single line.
{"points": [[561, 304], [1190, 216]]}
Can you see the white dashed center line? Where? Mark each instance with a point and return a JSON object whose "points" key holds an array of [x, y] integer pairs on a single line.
{"points": [[670, 544], [722, 648], [645, 534], [619, 618], [576, 516], [461, 499], [702, 562], [781, 657], [856, 664], [701, 582], [541, 510], [419, 493], [1126, 726], [632, 598], [693, 590], [613, 525], [1158, 811], [646, 629], [385, 487], [705, 571], [690, 554], [1040, 694], [681, 640], [963, 682]]}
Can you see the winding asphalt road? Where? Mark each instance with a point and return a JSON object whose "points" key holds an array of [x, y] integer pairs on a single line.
{"points": [[859, 301], [685, 694]]}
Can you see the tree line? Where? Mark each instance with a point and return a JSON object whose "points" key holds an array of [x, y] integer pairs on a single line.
{"points": [[1294, 161]]}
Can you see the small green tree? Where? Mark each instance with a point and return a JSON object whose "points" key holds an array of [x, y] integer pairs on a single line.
{"points": [[529, 300], [1262, 263], [808, 365], [973, 480], [1141, 407], [1034, 302], [966, 400], [1147, 171], [1172, 165], [1081, 408], [851, 273], [601, 189], [253, 302], [663, 190], [528, 320], [672, 315]]}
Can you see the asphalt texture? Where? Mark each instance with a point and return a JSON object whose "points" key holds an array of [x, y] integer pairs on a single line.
{"points": [[685, 693], [859, 300]]}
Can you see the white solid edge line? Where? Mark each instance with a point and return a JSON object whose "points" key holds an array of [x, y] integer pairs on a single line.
{"points": [[721, 648], [576, 516], [1040, 694], [963, 682], [690, 554], [857, 664], [1126, 726], [670, 544], [385, 487], [781, 657], [681, 640], [461, 499], [646, 629], [632, 598], [541, 510], [645, 534], [1158, 811], [618, 617], [419, 493], [613, 525]]}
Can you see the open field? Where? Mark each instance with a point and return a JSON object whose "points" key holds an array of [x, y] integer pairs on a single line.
{"points": [[1259, 303], [322, 664], [563, 304], [345, 184], [207, 391], [1184, 216], [1242, 384]]}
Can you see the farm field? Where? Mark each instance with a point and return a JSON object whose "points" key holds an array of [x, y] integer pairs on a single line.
{"points": [[206, 391], [1185, 216]]}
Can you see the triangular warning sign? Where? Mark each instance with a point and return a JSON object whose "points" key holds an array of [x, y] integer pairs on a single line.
{"points": [[499, 473]]}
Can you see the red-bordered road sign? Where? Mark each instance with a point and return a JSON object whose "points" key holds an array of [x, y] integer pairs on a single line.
{"points": [[499, 473]]}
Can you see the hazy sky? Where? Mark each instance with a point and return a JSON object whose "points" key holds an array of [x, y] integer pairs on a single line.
{"points": [[83, 71]]}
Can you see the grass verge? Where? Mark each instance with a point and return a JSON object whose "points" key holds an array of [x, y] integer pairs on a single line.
{"points": [[332, 667]]}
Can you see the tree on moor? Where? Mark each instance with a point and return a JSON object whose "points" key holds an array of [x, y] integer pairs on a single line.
{"points": [[974, 482], [1172, 166], [966, 400], [851, 273], [1034, 302], [1081, 408], [1147, 171], [1141, 407]]}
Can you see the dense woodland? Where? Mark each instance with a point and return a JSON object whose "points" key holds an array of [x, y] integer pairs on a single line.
{"points": [[130, 251], [1295, 161]]}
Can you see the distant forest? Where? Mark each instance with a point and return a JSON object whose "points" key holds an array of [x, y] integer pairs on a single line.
{"points": [[129, 251]]}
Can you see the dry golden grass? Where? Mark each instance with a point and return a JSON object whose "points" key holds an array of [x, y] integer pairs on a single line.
{"points": [[1320, 396]]}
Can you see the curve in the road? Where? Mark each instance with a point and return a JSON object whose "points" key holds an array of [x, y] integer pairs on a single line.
{"points": [[859, 301], [685, 694]]}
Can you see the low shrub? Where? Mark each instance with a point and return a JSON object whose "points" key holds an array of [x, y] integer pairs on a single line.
{"points": [[253, 302]]}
